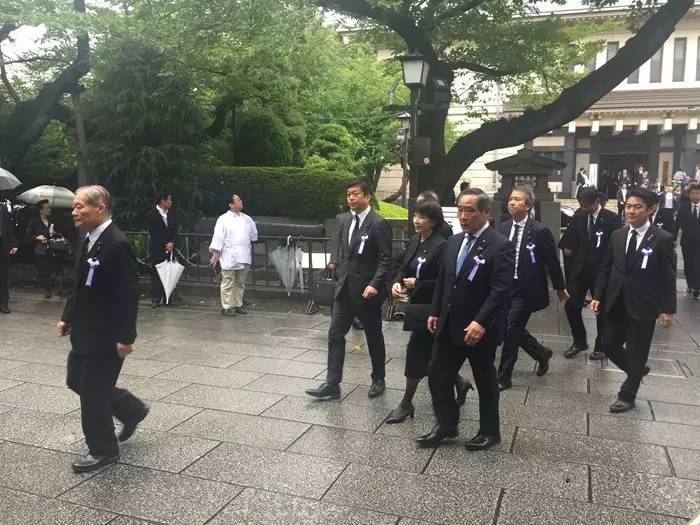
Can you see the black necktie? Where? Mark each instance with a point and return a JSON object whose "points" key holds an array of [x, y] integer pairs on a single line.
{"points": [[695, 211], [516, 227], [591, 222], [631, 249], [355, 232]]}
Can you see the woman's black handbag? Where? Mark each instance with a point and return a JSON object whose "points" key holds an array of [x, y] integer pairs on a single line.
{"points": [[61, 245], [415, 316]]}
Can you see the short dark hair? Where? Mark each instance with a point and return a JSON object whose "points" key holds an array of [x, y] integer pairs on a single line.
{"points": [[162, 196], [428, 195], [483, 202], [41, 203], [431, 210], [364, 187], [693, 187], [649, 197], [464, 185], [588, 195]]}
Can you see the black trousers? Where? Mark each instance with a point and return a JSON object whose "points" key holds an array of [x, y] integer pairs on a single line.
{"points": [[4, 286], [446, 361], [157, 291], [691, 265], [636, 336], [518, 336], [93, 377], [577, 294], [345, 309]]}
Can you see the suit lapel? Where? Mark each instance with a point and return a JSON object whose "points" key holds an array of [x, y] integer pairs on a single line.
{"points": [[478, 247]]}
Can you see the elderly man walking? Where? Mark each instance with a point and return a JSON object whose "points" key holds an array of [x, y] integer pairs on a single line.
{"points": [[230, 247]]}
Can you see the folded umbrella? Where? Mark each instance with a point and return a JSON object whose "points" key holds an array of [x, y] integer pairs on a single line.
{"points": [[7, 180], [169, 272]]}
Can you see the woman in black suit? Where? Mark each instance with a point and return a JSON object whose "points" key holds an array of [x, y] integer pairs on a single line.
{"points": [[40, 231], [416, 279]]}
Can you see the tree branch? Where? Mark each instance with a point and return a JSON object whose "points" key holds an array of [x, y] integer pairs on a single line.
{"points": [[486, 70], [6, 29], [575, 100], [6, 81], [459, 9]]}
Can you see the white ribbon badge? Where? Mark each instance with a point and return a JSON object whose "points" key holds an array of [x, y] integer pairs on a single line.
{"points": [[420, 260], [531, 248], [600, 236], [94, 263], [479, 260], [646, 252], [363, 238]]}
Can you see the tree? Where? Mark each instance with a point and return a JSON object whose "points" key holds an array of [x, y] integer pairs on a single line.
{"points": [[334, 149], [496, 41], [262, 139]]}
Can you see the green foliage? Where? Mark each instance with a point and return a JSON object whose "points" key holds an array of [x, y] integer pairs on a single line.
{"points": [[277, 191], [50, 160], [262, 139], [391, 211], [333, 148]]}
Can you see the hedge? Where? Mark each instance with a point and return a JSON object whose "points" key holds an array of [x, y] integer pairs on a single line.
{"points": [[288, 191]]}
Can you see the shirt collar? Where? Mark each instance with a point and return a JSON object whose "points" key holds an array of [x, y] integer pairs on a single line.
{"points": [[161, 210], [478, 233], [596, 213], [641, 231], [235, 213], [522, 223], [363, 214], [95, 233]]}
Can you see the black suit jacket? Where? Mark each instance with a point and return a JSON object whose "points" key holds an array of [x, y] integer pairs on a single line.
{"points": [[369, 268], [664, 219], [646, 292], [104, 314], [432, 251], [160, 234], [532, 277], [584, 264], [457, 301], [7, 232], [689, 224]]}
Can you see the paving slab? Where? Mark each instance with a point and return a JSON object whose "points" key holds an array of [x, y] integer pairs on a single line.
{"points": [[657, 433], [686, 463], [202, 357], [415, 495], [220, 398], [153, 495], [149, 388], [585, 403], [41, 429], [257, 507], [6, 364], [243, 429], [518, 508], [292, 386], [6, 384], [293, 474], [284, 367], [20, 508], [44, 398], [207, 375], [675, 413], [165, 416], [145, 367], [29, 354], [645, 492]]}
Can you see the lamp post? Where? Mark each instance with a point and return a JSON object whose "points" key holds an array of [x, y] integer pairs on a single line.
{"points": [[416, 70]]}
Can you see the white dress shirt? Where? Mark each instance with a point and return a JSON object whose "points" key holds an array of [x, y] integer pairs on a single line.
{"points": [[363, 215], [233, 234], [518, 241], [163, 214], [668, 201], [475, 236], [95, 233], [641, 232]]}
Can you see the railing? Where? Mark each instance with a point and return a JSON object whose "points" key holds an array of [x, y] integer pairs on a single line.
{"points": [[194, 254]]}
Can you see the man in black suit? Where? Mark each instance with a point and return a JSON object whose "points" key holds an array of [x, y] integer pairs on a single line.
{"points": [[621, 197], [688, 220], [362, 258], [101, 319], [535, 256], [636, 283], [8, 246], [162, 229], [662, 217], [468, 317], [584, 243]]}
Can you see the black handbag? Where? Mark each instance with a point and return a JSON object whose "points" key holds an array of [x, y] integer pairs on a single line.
{"points": [[322, 292], [415, 316]]}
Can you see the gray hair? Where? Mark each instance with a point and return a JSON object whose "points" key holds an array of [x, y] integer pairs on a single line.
{"points": [[483, 202], [96, 195], [529, 194]]}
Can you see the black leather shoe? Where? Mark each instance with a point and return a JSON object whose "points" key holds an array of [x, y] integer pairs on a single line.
{"points": [[130, 428], [596, 355], [156, 304], [575, 349], [377, 388], [400, 414], [91, 463], [645, 371], [620, 406], [433, 438], [696, 294], [325, 392], [4, 309], [504, 384], [228, 312], [481, 442], [462, 391], [241, 310], [543, 366]]}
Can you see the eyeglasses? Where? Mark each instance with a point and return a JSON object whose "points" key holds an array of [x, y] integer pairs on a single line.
{"points": [[354, 194]]}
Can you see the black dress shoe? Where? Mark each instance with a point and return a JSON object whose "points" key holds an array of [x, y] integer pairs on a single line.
{"points": [[91, 463], [325, 392], [4, 309], [156, 304], [596, 355], [481, 442], [696, 294], [130, 428], [400, 414], [543, 366], [227, 312], [575, 349], [433, 438], [462, 391], [241, 310], [504, 384], [645, 371], [377, 388], [620, 406]]}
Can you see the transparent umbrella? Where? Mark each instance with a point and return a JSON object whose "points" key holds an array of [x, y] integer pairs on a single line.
{"points": [[7, 180], [169, 272], [287, 262]]}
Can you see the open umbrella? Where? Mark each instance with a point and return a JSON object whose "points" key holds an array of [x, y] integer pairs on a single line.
{"points": [[58, 196], [7, 180], [169, 272]]}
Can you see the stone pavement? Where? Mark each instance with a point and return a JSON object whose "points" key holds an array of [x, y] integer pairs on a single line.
{"points": [[231, 438]]}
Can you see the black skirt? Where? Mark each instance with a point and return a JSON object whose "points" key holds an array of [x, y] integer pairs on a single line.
{"points": [[418, 352]]}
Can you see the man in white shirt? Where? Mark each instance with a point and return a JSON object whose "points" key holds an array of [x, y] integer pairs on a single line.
{"points": [[231, 248]]}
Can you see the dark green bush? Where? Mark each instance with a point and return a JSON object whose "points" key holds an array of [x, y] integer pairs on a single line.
{"points": [[262, 139], [291, 192]]}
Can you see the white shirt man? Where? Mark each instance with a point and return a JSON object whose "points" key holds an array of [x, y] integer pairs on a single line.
{"points": [[231, 248]]}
